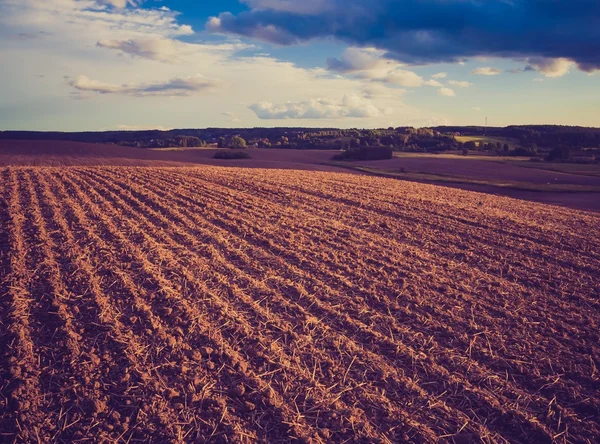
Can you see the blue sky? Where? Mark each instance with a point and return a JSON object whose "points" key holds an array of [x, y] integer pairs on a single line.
{"points": [[128, 64]]}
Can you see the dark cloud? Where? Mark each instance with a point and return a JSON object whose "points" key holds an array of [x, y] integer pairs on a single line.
{"points": [[429, 31], [170, 88]]}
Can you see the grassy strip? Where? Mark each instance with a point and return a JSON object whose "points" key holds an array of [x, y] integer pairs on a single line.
{"points": [[440, 178], [568, 168]]}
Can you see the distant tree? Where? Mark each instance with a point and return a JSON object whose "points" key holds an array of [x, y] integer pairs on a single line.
{"points": [[264, 143], [222, 142], [506, 147], [237, 142], [470, 145], [559, 153]]}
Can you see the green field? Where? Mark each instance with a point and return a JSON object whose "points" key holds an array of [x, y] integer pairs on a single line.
{"points": [[569, 168], [525, 162], [484, 139], [442, 178]]}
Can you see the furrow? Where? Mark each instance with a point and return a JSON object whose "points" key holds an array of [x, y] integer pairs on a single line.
{"points": [[517, 395], [277, 419], [348, 328], [475, 321], [177, 363]]}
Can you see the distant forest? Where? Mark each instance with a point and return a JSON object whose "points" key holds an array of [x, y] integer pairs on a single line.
{"points": [[528, 140]]}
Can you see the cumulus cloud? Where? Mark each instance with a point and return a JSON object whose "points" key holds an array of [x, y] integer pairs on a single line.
{"points": [[371, 63], [440, 75], [71, 31], [351, 105], [156, 49], [447, 92], [163, 49], [356, 59], [377, 90], [88, 17], [432, 83], [486, 71], [550, 67], [402, 77], [459, 83], [170, 88], [428, 31]]}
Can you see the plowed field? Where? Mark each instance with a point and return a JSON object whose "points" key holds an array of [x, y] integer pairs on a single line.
{"points": [[235, 305]]}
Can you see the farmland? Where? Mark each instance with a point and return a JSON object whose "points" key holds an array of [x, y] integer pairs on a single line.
{"points": [[484, 139], [241, 305]]}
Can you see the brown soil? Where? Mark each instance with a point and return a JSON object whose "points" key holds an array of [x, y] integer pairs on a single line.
{"points": [[48, 153], [243, 305]]}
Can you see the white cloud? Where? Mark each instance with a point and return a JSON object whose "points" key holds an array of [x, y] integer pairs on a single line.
{"points": [[538, 80], [171, 88], [447, 92], [440, 75], [142, 128], [432, 83], [476, 108], [486, 71], [357, 59], [371, 64], [232, 117], [351, 105], [377, 90], [130, 52], [166, 50], [551, 67], [156, 49], [405, 78], [459, 83]]}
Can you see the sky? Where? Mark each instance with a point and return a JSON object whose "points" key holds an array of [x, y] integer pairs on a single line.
{"points": [[75, 65]]}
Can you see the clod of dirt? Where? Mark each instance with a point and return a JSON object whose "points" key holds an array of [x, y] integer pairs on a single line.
{"points": [[241, 366], [238, 390], [325, 433], [96, 406], [206, 351]]}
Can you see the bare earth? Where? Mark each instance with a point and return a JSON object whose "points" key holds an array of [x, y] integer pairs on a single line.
{"points": [[246, 305], [44, 153]]}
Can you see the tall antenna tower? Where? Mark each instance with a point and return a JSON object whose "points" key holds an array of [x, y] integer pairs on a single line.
{"points": [[485, 127]]}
